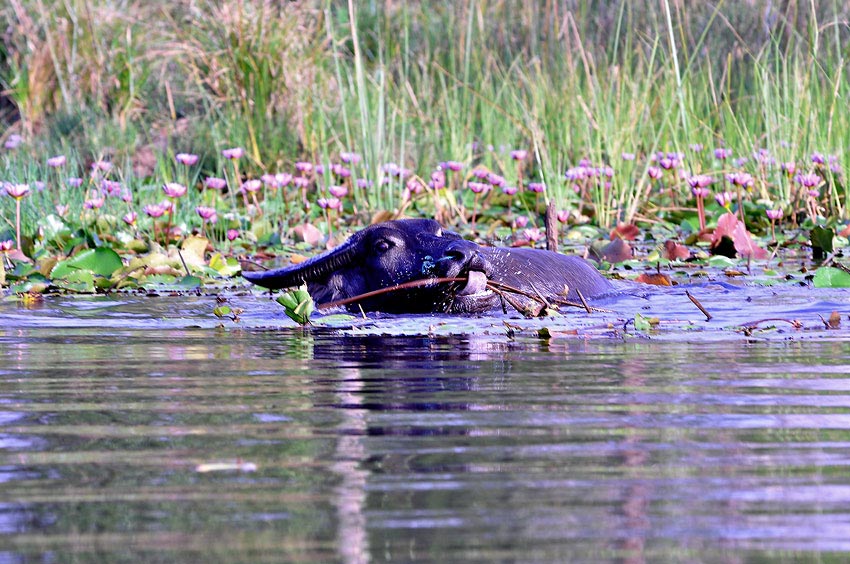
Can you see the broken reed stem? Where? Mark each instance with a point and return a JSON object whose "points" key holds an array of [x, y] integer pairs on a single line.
{"points": [[186, 268], [753, 324], [493, 285], [507, 298], [497, 287], [699, 306], [583, 301]]}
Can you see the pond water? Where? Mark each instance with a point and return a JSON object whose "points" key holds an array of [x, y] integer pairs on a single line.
{"points": [[135, 428]]}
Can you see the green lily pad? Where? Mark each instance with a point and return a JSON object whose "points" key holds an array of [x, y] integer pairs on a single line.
{"points": [[224, 266], [719, 261], [222, 311], [101, 261], [35, 286], [81, 281], [337, 320], [189, 282], [158, 279], [822, 238], [829, 277], [644, 323]]}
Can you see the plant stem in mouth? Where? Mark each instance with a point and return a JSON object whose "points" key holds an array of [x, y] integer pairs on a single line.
{"points": [[496, 287]]}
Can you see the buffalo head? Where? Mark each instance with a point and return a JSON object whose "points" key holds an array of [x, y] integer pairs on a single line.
{"points": [[395, 252]]}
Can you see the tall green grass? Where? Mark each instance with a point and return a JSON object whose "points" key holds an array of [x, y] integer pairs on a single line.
{"points": [[417, 84]]}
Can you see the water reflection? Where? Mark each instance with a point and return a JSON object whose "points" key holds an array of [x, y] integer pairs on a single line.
{"points": [[419, 449]]}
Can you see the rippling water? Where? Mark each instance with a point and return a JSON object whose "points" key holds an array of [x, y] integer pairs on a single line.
{"points": [[136, 430]]}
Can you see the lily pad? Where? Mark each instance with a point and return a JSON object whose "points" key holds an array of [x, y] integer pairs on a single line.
{"points": [[101, 261], [720, 261], [822, 238], [193, 250], [189, 282], [829, 277], [225, 266], [81, 281]]}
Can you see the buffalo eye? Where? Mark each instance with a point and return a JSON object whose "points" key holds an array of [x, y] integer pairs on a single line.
{"points": [[382, 246]]}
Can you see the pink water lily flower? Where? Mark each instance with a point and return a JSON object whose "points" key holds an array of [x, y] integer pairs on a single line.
{"points": [[341, 171], [724, 198], [533, 234], [215, 183], [13, 141], [57, 161], [519, 154], [349, 157], [187, 159], [722, 153], [17, 191], [700, 181], [282, 179], [233, 153], [789, 168], [338, 191], [94, 203], [329, 203], [576, 173], [155, 210], [110, 187], [252, 185], [206, 213], [174, 189], [743, 179], [496, 180], [809, 180]]}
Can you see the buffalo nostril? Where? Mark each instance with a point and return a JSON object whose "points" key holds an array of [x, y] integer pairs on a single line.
{"points": [[459, 252], [455, 255]]}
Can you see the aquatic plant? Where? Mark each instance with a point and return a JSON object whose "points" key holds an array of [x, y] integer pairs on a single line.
{"points": [[17, 192], [351, 112]]}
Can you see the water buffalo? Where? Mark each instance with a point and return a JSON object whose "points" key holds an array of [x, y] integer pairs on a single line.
{"points": [[395, 252]]}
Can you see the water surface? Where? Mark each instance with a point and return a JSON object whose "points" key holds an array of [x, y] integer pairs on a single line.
{"points": [[463, 443]]}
